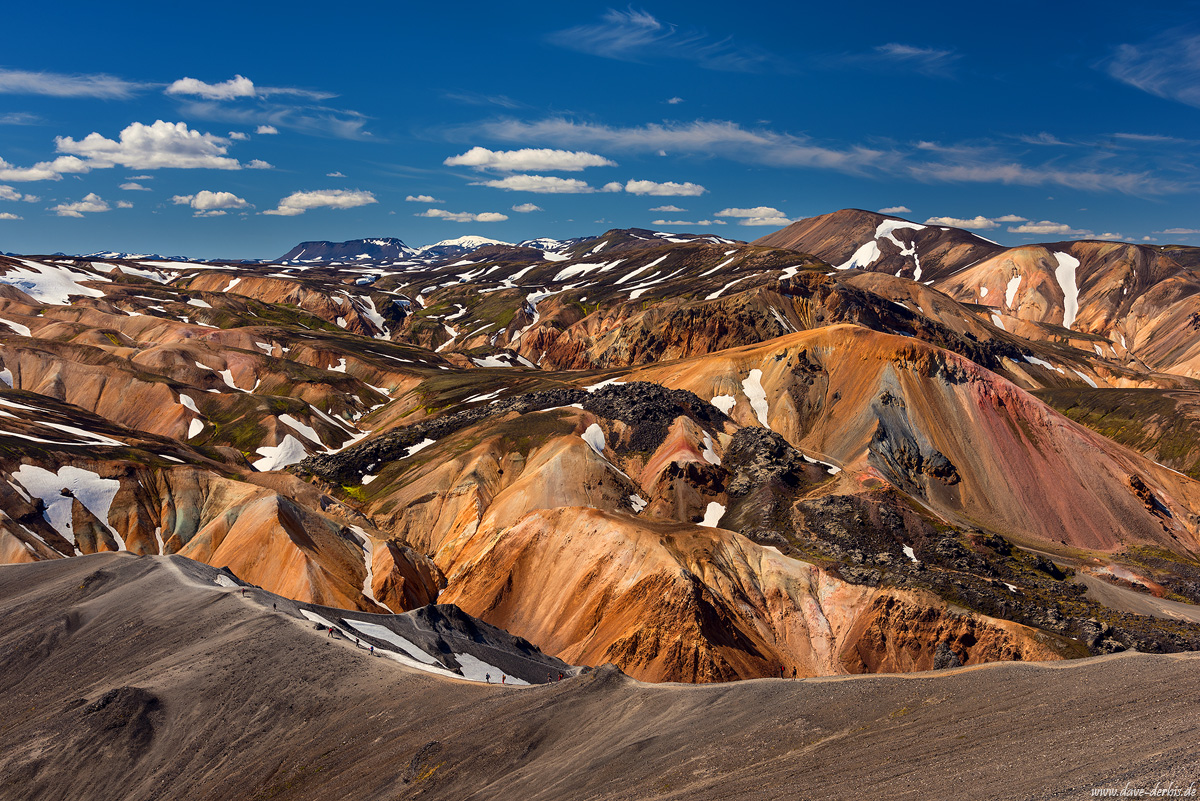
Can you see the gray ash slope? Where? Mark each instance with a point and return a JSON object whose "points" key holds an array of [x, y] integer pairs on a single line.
{"points": [[107, 691]]}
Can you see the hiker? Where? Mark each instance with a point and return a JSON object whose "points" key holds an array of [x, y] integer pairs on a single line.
{"points": [[781, 671], [372, 650], [502, 678], [243, 592], [487, 677], [274, 607], [560, 675], [793, 672], [330, 631], [547, 678]]}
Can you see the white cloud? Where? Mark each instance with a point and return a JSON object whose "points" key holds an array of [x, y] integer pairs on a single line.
{"points": [[8, 193], [525, 208], [91, 204], [1109, 236], [463, 216], [1007, 218], [8, 215], [727, 139], [206, 200], [266, 130], [1167, 66], [1180, 231], [134, 186], [239, 136], [672, 209], [525, 159], [124, 204], [674, 101], [53, 84], [686, 222], [336, 174], [259, 164], [211, 213], [924, 60], [44, 170], [896, 210], [542, 184], [237, 86], [1048, 227], [150, 147], [666, 188], [423, 199], [300, 202], [975, 223], [637, 36], [141, 177], [759, 215]]}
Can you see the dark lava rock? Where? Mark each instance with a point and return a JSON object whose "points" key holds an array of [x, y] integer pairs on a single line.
{"points": [[945, 658]]}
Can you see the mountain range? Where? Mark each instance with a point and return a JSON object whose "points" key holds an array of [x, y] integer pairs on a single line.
{"points": [[858, 444]]}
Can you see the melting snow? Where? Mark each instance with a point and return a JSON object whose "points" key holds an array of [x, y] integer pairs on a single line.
{"points": [[195, 427], [20, 329], [1065, 273], [94, 493], [1010, 291], [865, 256], [983, 290], [594, 436], [1087, 380], [605, 383], [911, 554], [232, 283], [277, 457], [188, 403], [199, 303], [717, 294], [998, 322], [420, 446], [757, 396], [709, 454], [724, 402], [713, 514], [379, 632], [307, 431], [638, 502], [51, 284]]}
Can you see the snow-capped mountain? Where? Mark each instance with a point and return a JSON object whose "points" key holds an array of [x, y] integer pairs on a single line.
{"points": [[448, 248], [381, 249]]}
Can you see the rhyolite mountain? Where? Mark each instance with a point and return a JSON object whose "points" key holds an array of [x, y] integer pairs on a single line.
{"points": [[859, 444]]}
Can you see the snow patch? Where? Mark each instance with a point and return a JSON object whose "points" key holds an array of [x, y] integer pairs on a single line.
{"points": [[22, 330], [1065, 273], [713, 514], [594, 436], [276, 457], [94, 493], [757, 396], [1010, 291], [724, 402]]}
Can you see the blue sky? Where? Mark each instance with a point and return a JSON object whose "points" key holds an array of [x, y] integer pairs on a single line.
{"points": [[237, 130]]}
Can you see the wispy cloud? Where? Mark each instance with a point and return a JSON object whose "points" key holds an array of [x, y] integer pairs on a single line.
{"points": [[238, 87], [528, 159], [463, 216], [542, 184], [477, 99], [672, 209], [1167, 66], [57, 84], [299, 202], [1048, 227], [638, 36], [20, 118], [134, 186], [1180, 231], [315, 120], [680, 223], [664, 189], [928, 61], [705, 137], [896, 210], [526, 208]]}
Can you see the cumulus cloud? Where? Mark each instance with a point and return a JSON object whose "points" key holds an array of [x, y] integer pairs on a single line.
{"points": [[239, 136], [686, 222], [8, 193], [463, 216], [259, 164], [1010, 218], [91, 204], [674, 101], [896, 210], [237, 86], [525, 208], [299, 202], [759, 215], [670, 208], [423, 199], [977, 223], [1048, 227], [266, 130], [8, 215], [134, 186], [525, 159], [55, 84], [542, 184], [666, 188], [206, 200], [150, 147], [44, 170], [638, 36], [124, 204]]}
